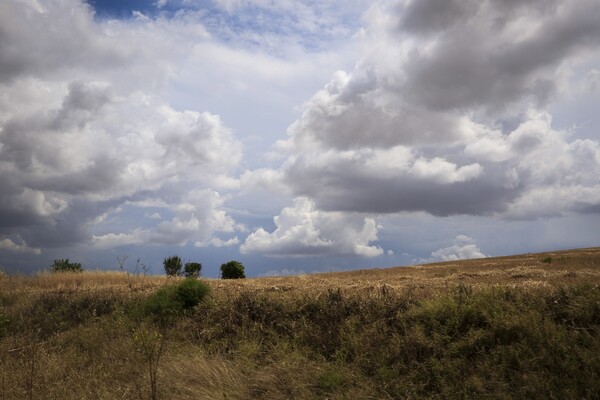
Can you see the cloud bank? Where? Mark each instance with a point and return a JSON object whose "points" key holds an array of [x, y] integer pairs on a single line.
{"points": [[84, 132], [111, 135], [432, 120]]}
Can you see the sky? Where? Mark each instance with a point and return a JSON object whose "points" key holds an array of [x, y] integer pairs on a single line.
{"points": [[296, 136]]}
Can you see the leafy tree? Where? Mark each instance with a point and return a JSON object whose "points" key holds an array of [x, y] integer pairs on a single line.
{"points": [[232, 270], [65, 266], [172, 265], [192, 269]]}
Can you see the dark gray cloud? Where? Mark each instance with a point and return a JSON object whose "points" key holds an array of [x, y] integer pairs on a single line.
{"points": [[370, 194], [432, 16], [480, 63]]}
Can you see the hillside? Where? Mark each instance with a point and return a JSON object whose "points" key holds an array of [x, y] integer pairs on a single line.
{"points": [[538, 269], [523, 326]]}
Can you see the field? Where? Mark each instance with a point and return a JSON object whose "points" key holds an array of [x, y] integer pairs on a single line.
{"points": [[518, 327]]}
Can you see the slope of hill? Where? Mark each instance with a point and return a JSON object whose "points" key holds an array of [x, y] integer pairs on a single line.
{"points": [[538, 269], [510, 327]]}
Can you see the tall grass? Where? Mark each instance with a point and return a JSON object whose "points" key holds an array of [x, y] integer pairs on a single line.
{"points": [[526, 329]]}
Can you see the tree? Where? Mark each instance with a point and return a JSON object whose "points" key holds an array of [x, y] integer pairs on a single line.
{"points": [[65, 266], [232, 270], [192, 269], [172, 265]]}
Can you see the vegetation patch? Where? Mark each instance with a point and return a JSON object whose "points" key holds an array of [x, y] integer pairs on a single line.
{"points": [[171, 301], [431, 336], [64, 265]]}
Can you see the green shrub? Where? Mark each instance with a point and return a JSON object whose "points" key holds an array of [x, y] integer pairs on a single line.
{"points": [[172, 265], [232, 270], [171, 301], [65, 266], [192, 269], [190, 292], [547, 260]]}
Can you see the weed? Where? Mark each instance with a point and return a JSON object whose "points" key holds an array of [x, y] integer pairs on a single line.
{"points": [[150, 344]]}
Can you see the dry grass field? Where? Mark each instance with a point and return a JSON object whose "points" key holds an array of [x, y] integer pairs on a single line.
{"points": [[540, 269], [523, 326]]}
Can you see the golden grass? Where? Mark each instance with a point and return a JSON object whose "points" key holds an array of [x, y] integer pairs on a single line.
{"points": [[380, 333], [567, 267]]}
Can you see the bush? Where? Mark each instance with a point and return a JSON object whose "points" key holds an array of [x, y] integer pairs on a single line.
{"points": [[172, 266], [65, 266], [171, 301], [192, 269], [232, 270], [190, 292]]}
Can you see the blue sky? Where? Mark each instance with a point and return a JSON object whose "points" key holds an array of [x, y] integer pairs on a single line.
{"points": [[296, 136]]}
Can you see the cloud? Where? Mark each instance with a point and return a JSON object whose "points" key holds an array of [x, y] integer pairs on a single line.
{"points": [[84, 130], [284, 272], [217, 242], [110, 135], [271, 23], [8, 244], [302, 230], [91, 152], [463, 248], [160, 3], [592, 80], [33, 42], [197, 216], [517, 56], [430, 120]]}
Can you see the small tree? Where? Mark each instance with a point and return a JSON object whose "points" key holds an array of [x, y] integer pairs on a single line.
{"points": [[65, 266], [172, 265], [192, 269], [232, 270]]}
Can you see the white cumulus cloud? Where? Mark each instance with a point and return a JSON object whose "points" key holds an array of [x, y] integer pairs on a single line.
{"points": [[303, 230], [463, 248]]}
